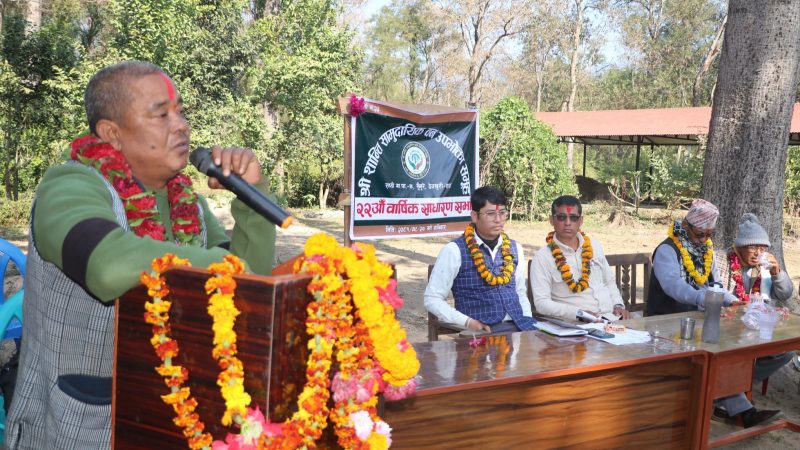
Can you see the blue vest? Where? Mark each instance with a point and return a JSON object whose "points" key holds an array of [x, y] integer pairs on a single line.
{"points": [[482, 301]]}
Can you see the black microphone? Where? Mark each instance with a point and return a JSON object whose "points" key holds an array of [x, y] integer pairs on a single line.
{"points": [[249, 195]]}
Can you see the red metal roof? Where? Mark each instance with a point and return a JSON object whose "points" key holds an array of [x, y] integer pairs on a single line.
{"points": [[663, 126]]}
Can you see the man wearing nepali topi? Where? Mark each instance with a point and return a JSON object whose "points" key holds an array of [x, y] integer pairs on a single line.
{"points": [[683, 269]]}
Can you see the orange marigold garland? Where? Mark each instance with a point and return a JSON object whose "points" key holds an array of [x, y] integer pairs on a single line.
{"points": [[352, 313], [507, 271], [561, 263], [157, 314], [373, 352]]}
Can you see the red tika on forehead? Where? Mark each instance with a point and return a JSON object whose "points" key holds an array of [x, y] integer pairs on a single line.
{"points": [[569, 209], [170, 88]]}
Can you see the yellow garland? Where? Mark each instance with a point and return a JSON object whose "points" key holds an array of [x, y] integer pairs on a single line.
{"points": [[343, 278], [223, 312], [708, 258], [475, 252], [561, 263]]}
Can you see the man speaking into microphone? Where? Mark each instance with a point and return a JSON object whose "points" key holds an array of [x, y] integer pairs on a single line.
{"points": [[98, 220]]}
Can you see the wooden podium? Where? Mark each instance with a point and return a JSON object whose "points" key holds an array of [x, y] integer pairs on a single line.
{"points": [[271, 344]]}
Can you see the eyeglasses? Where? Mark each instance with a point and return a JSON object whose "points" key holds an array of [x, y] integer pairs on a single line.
{"points": [[561, 217], [699, 233], [492, 215], [756, 248]]}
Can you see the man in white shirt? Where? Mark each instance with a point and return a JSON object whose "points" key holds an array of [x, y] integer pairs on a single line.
{"points": [[485, 271], [570, 276]]}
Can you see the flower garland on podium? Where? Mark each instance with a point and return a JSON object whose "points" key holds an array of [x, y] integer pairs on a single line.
{"points": [[352, 310]]}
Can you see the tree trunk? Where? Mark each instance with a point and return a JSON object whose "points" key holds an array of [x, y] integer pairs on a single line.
{"points": [[280, 173], [711, 55], [573, 71], [745, 162], [322, 195], [34, 15]]}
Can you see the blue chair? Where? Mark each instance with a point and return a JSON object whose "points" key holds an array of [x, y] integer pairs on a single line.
{"points": [[10, 253], [11, 308]]}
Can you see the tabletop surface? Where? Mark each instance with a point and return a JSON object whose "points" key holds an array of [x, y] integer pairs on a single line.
{"points": [[534, 354]]}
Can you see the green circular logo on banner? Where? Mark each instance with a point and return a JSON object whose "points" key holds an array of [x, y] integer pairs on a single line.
{"points": [[416, 160]]}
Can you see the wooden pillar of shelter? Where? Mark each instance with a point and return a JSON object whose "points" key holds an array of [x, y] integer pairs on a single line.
{"points": [[584, 159], [638, 152]]}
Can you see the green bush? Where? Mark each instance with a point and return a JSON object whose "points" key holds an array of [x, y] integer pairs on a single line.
{"points": [[14, 215], [522, 156]]}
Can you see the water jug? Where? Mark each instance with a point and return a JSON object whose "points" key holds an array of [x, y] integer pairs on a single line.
{"points": [[714, 298]]}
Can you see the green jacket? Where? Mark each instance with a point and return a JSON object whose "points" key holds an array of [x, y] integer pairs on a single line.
{"points": [[74, 227]]}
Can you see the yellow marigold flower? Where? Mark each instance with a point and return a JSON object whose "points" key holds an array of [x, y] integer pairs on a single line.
{"points": [[320, 244], [357, 269], [377, 441]]}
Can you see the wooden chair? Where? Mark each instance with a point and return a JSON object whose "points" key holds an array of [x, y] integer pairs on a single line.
{"points": [[626, 271]]}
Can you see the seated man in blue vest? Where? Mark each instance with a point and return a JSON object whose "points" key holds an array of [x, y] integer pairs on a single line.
{"points": [[485, 271], [683, 268]]}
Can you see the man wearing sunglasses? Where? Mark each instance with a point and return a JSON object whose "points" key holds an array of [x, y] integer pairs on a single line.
{"points": [[684, 265], [683, 268], [570, 276], [483, 269]]}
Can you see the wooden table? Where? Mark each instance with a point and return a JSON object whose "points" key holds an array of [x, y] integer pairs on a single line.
{"points": [[730, 362], [531, 390]]}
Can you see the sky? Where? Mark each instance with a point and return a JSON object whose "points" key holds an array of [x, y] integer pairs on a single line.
{"points": [[372, 7]]}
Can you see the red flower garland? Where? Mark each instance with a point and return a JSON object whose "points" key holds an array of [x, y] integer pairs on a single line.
{"points": [[140, 206], [735, 265]]}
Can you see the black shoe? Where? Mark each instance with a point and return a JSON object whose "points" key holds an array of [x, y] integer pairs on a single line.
{"points": [[753, 417], [720, 415]]}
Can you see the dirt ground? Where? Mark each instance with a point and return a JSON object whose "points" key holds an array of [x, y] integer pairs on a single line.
{"points": [[411, 257]]}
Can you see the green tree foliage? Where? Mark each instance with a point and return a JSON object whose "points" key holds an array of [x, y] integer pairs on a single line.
{"points": [[264, 75], [307, 62], [665, 46], [676, 176], [793, 179], [35, 84], [521, 156], [402, 41]]}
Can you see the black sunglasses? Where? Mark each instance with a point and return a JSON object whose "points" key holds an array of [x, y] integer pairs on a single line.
{"points": [[562, 217], [699, 233]]}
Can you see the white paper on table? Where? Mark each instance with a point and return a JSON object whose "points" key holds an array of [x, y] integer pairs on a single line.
{"points": [[626, 337]]}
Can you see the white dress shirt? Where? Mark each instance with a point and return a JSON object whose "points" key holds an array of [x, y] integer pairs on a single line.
{"points": [[444, 272], [552, 296]]}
